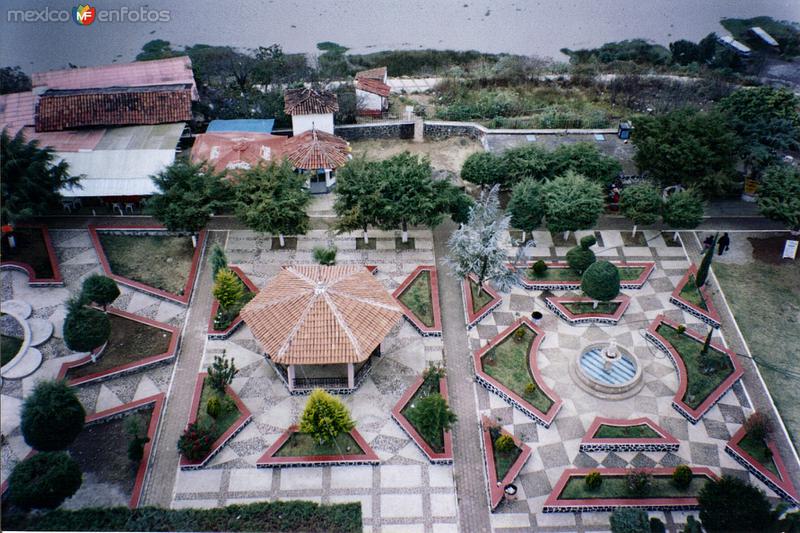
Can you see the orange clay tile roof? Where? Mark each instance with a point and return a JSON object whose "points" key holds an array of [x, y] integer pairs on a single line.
{"points": [[309, 102], [237, 149], [378, 73], [315, 315], [313, 149], [373, 86]]}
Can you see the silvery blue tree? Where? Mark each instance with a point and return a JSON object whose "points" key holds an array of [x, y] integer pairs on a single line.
{"points": [[476, 247]]}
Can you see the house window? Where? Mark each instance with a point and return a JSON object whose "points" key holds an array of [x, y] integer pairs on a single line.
{"points": [[266, 153]]}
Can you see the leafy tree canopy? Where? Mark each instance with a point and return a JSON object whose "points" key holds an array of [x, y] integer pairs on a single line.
{"points": [[13, 80], [484, 168], [587, 160], [101, 290], [779, 195], [641, 203], [44, 480], [358, 198], [52, 416], [526, 205], [730, 504], [683, 210], [601, 281], [572, 202]]}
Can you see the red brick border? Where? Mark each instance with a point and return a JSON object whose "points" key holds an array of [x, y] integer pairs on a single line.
{"points": [[158, 400], [471, 317], [591, 443], [187, 289], [497, 486], [507, 394], [436, 330], [269, 459], [556, 304], [781, 484], [172, 349], [553, 504], [220, 334], [445, 457], [693, 415], [710, 316], [33, 281], [564, 285], [236, 427]]}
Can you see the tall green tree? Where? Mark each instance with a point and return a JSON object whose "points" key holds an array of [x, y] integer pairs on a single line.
{"points": [[101, 290], [688, 147], [571, 203], [484, 168], [31, 178], [218, 259], [587, 160], [157, 49], [13, 80], [641, 203], [601, 281], [52, 416], [731, 504], [527, 161], [432, 416], [358, 199], [325, 417], [705, 264], [683, 210], [44, 480], [779, 195], [526, 206], [272, 199], [189, 193]]}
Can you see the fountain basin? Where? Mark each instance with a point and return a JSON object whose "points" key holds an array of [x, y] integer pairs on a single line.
{"points": [[615, 377]]}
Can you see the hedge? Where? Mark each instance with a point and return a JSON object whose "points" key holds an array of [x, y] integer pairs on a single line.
{"points": [[263, 516]]}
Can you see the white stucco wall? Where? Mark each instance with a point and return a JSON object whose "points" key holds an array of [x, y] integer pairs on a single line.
{"points": [[368, 101], [301, 123]]}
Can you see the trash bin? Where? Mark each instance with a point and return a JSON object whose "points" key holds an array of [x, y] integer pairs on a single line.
{"points": [[536, 316], [510, 492]]}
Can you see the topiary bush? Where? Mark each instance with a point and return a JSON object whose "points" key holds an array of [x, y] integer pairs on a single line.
{"points": [[85, 328], [601, 281], [657, 526], [593, 480], [530, 388], [682, 476], [44, 480], [52, 416], [325, 417], [639, 482], [196, 441], [504, 443], [539, 267], [100, 290], [137, 433], [213, 407], [228, 288], [581, 257]]}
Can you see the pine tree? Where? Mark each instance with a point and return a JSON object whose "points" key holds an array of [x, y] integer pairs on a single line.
{"points": [[702, 272], [221, 372], [325, 417], [432, 416], [707, 361], [228, 288], [218, 259], [475, 248], [525, 206]]}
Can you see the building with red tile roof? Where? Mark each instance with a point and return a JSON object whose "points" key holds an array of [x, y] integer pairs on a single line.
{"points": [[372, 91], [238, 149], [310, 109]]}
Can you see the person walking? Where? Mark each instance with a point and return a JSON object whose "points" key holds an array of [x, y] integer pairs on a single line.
{"points": [[707, 243], [723, 244]]}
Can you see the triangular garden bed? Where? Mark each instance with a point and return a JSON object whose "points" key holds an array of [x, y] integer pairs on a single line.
{"points": [[501, 468], [418, 296], [442, 456], [478, 303], [695, 300], [181, 295], [621, 435], [34, 254], [776, 478], [580, 310], [289, 450], [114, 359], [221, 334]]}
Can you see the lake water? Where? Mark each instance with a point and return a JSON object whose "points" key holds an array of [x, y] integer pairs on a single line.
{"points": [[519, 26]]}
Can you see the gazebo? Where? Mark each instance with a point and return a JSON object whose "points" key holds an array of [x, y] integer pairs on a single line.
{"points": [[317, 154], [320, 326]]}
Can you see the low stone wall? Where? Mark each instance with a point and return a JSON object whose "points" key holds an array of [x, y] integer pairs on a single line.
{"points": [[445, 130], [378, 130]]}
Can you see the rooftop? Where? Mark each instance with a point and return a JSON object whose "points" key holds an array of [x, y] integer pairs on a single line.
{"points": [[237, 149], [313, 149], [239, 125], [372, 85], [379, 73], [309, 102]]}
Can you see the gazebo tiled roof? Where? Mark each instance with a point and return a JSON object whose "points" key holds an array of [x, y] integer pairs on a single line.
{"points": [[309, 102], [312, 150], [314, 315]]}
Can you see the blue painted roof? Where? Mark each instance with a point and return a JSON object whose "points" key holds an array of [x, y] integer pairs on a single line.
{"points": [[251, 125]]}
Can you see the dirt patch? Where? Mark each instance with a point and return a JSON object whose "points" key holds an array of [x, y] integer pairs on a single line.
{"points": [[629, 239], [30, 249], [769, 249], [448, 154]]}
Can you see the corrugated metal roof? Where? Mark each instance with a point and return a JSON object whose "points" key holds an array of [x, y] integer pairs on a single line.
{"points": [[766, 37], [258, 125], [115, 172]]}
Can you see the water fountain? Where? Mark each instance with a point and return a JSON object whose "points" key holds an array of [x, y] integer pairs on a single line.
{"points": [[607, 370]]}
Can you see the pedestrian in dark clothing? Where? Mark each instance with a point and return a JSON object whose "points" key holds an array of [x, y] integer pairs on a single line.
{"points": [[723, 244], [708, 243]]}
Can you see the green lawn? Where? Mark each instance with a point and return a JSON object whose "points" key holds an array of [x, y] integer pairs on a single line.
{"points": [[508, 363], [766, 302], [226, 417], [503, 461], [418, 298], [617, 487], [9, 348], [428, 387], [692, 294], [480, 298], [302, 445], [641, 431], [160, 261], [585, 308], [567, 274], [700, 385], [30, 249], [760, 452]]}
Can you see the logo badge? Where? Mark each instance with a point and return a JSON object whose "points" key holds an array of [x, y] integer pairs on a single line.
{"points": [[83, 14]]}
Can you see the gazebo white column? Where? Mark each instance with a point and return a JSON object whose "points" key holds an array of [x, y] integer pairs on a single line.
{"points": [[350, 376], [329, 179], [290, 377]]}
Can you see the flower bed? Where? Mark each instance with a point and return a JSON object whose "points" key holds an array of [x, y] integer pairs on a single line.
{"points": [[227, 426], [227, 331], [763, 460], [136, 342], [418, 296], [620, 435], [478, 303], [501, 467], [298, 449], [101, 448], [507, 365], [697, 392], [560, 277], [571, 495], [33, 254], [137, 257], [435, 452], [580, 310], [695, 300]]}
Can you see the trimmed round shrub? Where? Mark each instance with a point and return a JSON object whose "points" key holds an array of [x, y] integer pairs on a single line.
{"points": [[539, 267], [530, 388], [639, 482], [100, 289], [581, 257], [196, 441], [682, 476], [52, 416], [85, 329], [519, 334], [601, 281], [44, 480], [504, 443], [657, 526], [593, 480]]}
